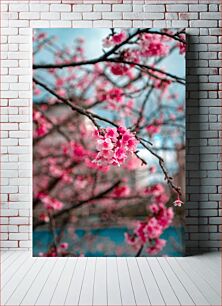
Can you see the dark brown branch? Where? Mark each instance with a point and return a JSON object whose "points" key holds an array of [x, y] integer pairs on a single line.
{"points": [[81, 203], [139, 251], [178, 79], [76, 108]]}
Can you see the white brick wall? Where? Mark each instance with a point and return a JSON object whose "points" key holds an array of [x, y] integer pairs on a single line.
{"points": [[200, 17]]}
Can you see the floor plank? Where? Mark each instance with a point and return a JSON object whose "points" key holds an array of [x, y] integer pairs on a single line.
{"points": [[113, 285], [47, 291], [4, 255], [126, 289], [62, 287], [17, 278], [181, 293], [210, 260], [100, 283], [35, 289], [152, 287], [190, 286], [13, 269], [165, 287], [208, 292], [86, 294], [75, 286], [213, 279], [10, 261], [140, 292], [18, 294]]}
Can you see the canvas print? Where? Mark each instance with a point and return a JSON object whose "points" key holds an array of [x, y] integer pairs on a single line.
{"points": [[108, 142]]}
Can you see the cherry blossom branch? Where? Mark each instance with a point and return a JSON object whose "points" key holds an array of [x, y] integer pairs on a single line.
{"points": [[168, 178], [52, 184], [76, 108], [113, 60], [81, 203], [174, 36], [91, 116], [176, 78], [105, 55], [54, 127]]}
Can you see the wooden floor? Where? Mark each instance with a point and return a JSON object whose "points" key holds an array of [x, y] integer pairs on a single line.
{"points": [[110, 281]]}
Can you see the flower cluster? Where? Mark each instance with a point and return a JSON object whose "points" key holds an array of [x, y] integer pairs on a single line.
{"points": [[154, 127], [181, 45], [123, 69], [121, 191], [49, 202], [58, 172], [42, 125], [113, 40], [113, 97], [149, 231], [75, 150], [160, 80], [153, 45], [114, 145], [119, 68]]}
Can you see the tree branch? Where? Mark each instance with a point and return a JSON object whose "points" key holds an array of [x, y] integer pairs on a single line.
{"points": [[76, 108], [81, 203]]}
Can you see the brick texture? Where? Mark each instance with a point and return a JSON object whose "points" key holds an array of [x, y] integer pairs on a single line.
{"points": [[202, 20]]}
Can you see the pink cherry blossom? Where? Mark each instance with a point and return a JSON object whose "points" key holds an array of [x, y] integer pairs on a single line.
{"points": [[182, 45], [148, 232], [178, 202], [153, 208], [153, 229], [113, 97], [43, 217], [114, 146], [59, 82], [153, 129], [131, 240], [64, 245], [118, 38], [118, 68], [156, 247], [115, 39], [104, 144], [37, 91], [153, 45], [51, 203], [152, 169], [121, 191]]}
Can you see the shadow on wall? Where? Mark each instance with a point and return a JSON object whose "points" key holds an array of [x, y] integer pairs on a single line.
{"points": [[193, 173]]}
